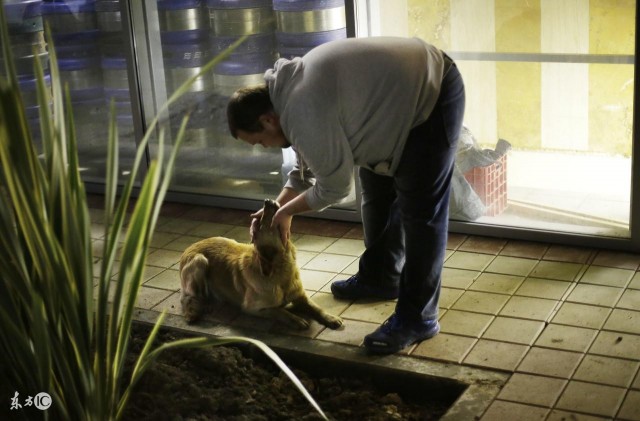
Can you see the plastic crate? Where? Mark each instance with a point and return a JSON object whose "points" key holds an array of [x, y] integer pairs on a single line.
{"points": [[490, 184]]}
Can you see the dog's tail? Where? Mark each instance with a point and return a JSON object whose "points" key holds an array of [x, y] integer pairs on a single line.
{"points": [[194, 289]]}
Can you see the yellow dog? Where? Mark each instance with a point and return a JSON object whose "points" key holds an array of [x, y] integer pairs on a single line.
{"points": [[260, 278]]}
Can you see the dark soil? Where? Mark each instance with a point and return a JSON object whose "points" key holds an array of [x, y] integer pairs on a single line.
{"points": [[226, 383]]}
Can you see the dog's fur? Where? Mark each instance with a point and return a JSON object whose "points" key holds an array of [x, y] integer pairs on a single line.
{"points": [[261, 278]]}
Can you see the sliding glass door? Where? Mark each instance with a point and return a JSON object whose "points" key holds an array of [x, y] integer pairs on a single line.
{"points": [[550, 107]]}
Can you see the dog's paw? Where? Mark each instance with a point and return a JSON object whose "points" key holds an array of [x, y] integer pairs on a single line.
{"points": [[192, 308], [332, 322]]}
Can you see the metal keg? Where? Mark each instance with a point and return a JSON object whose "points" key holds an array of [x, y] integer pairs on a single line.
{"points": [[26, 36], [69, 16], [115, 78], [183, 61], [84, 77], [305, 24], [182, 21], [241, 17], [108, 16]]}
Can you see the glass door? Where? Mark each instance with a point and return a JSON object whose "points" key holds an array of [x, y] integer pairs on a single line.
{"points": [[547, 145], [176, 38]]}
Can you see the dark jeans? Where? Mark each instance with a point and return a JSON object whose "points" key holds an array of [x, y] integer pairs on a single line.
{"points": [[405, 217]]}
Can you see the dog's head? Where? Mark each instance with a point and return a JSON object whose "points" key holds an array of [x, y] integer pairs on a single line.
{"points": [[267, 239]]}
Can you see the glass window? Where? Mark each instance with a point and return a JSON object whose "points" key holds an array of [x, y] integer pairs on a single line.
{"points": [[554, 79]]}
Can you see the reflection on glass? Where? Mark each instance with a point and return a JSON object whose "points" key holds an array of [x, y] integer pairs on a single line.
{"points": [[192, 32], [554, 78]]}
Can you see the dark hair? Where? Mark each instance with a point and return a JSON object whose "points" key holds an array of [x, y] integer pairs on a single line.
{"points": [[245, 107]]}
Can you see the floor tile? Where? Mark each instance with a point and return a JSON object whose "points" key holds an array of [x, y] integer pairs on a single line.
{"points": [[454, 240], [313, 243], [329, 262], [550, 362], [511, 265], [329, 303], [351, 333], [595, 294], [171, 304], [168, 279], [458, 278], [526, 249], [150, 272], [355, 232], [314, 280], [502, 411], [635, 281], [543, 288], [630, 409], [346, 246], [569, 254], [210, 229], [240, 234], [561, 271], [558, 415], [617, 259], [498, 355], [591, 398], [181, 243], [615, 344], [303, 257], [478, 244], [636, 382], [469, 261], [480, 302], [519, 331], [163, 258], [613, 277], [448, 296], [445, 347], [630, 300], [149, 297], [606, 370], [497, 283], [311, 332], [464, 323], [161, 239], [531, 389], [178, 225], [624, 321], [581, 315], [568, 338], [529, 308], [352, 269], [375, 311]]}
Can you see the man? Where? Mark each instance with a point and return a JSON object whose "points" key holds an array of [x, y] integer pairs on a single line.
{"points": [[394, 108]]}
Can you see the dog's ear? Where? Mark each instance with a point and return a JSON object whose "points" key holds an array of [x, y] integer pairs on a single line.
{"points": [[266, 257]]}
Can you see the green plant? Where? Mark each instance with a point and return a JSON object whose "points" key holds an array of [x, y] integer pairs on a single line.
{"points": [[59, 333]]}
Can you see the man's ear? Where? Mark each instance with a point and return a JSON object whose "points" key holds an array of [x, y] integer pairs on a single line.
{"points": [[269, 120]]}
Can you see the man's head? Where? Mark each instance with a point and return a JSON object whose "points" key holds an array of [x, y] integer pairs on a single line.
{"points": [[252, 119]]}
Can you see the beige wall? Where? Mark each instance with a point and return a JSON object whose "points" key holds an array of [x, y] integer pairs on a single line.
{"points": [[583, 107]]}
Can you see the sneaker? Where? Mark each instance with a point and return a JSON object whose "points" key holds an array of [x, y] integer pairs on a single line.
{"points": [[351, 289], [394, 335]]}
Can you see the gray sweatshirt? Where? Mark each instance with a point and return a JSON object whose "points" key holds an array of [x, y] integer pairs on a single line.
{"points": [[351, 103]]}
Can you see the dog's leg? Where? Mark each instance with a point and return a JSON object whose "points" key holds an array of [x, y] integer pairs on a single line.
{"points": [[304, 305], [194, 290]]}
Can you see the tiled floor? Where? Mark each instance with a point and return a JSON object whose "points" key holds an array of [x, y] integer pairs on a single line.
{"points": [[564, 321]]}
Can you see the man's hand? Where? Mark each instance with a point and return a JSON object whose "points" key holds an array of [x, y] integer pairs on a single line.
{"points": [[255, 223], [282, 220]]}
